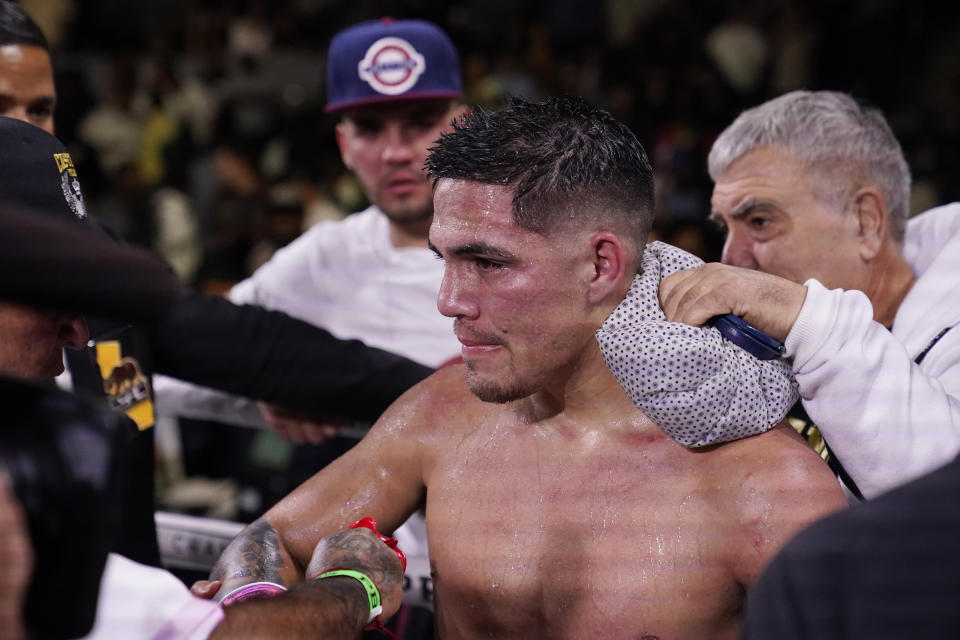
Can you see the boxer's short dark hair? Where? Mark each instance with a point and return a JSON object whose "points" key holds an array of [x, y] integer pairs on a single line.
{"points": [[563, 157]]}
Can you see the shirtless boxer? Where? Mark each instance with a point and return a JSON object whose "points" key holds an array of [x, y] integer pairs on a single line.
{"points": [[554, 507]]}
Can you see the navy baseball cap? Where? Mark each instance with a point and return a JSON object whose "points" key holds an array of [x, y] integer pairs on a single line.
{"points": [[385, 60], [37, 173]]}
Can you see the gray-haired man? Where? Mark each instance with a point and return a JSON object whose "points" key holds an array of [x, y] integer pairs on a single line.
{"points": [[813, 191]]}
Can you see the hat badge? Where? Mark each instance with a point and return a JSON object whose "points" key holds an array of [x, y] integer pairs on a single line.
{"points": [[391, 66], [70, 185]]}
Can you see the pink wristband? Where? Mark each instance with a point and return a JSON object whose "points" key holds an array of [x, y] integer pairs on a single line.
{"points": [[252, 590]]}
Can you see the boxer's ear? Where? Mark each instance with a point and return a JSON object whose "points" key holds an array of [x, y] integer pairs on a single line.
{"points": [[611, 261]]}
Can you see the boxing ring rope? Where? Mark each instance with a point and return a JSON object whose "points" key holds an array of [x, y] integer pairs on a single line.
{"points": [[192, 542]]}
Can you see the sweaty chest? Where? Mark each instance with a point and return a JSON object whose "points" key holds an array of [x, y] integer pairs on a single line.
{"points": [[569, 541]]}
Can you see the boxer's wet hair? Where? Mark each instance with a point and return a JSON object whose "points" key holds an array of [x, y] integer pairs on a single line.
{"points": [[564, 158], [16, 27], [845, 144]]}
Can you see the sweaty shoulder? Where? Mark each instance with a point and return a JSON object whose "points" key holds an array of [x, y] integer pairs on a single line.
{"points": [[775, 463], [769, 487], [438, 408]]}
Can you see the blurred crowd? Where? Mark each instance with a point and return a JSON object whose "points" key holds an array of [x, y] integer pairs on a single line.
{"points": [[199, 126]]}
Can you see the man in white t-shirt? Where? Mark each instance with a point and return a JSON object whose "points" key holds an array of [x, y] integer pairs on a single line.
{"points": [[395, 86]]}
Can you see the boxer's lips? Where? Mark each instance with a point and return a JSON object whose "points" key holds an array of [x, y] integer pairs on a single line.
{"points": [[474, 348]]}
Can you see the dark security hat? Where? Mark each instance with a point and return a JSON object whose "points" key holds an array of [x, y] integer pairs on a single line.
{"points": [[50, 254], [386, 60], [37, 173]]}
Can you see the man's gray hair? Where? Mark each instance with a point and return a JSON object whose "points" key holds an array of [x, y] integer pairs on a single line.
{"points": [[848, 145]]}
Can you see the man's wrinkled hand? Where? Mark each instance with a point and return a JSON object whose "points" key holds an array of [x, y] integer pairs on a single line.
{"points": [[297, 427], [768, 302]]}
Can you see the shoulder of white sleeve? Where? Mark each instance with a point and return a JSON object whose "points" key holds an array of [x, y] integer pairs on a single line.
{"points": [[928, 233]]}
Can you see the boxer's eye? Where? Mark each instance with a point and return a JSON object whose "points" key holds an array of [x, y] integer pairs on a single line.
{"points": [[487, 265]]}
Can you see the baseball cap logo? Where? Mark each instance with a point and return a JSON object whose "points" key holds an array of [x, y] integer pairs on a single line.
{"points": [[391, 66]]}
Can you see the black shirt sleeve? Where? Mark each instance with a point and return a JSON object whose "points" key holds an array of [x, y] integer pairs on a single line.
{"points": [[80, 267], [267, 355]]}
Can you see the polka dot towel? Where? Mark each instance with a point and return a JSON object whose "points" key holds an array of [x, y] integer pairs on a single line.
{"points": [[698, 387]]}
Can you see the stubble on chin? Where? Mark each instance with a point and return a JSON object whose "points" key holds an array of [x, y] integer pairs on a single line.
{"points": [[498, 391]]}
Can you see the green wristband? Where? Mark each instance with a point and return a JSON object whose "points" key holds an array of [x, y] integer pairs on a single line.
{"points": [[373, 594]]}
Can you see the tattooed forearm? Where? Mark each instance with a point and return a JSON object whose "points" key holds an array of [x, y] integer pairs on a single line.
{"points": [[358, 549], [338, 606], [255, 553]]}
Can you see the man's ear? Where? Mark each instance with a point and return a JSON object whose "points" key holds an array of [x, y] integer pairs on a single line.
{"points": [[871, 211], [345, 154], [611, 261]]}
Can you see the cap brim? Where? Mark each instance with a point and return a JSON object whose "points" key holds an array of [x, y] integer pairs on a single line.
{"points": [[438, 95], [67, 265]]}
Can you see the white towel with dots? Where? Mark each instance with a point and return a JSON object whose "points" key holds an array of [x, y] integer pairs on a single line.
{"points": [[698, 387]]}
